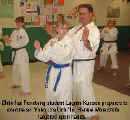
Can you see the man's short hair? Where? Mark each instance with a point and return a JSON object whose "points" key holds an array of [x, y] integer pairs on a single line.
{"points": [[88, 6]]}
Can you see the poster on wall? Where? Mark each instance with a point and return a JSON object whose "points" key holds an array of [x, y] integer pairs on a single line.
{"points": [[39, 12], [6, 8], [31, 10], [73, 13]]}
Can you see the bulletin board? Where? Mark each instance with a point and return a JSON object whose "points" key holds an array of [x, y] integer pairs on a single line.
{"points": [[39, 12], [113, 11]]}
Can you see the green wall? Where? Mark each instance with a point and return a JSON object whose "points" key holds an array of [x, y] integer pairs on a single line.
{"points": [[38, 33], [34, 33]]}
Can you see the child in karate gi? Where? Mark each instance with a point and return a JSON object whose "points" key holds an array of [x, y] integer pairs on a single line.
{"points": [[1, 50], [109, 47], [18, 41], [59, 51], [128, 84]]}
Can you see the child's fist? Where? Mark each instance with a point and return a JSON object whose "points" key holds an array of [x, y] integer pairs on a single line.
{"points": [[5, 37], [36, 44], [52, 42], [105, 31]]}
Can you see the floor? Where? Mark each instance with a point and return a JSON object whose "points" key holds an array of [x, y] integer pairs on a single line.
{"points": [[38, 69], [116, 83]]}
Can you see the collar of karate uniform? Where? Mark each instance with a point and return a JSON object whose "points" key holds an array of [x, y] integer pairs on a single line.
{"points": [[90, 25], [19, 29], [77, 28]]}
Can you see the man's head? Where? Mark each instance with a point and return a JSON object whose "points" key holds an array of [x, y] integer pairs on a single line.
{"points": [[19, 22], [85, 13], [111, 23]]}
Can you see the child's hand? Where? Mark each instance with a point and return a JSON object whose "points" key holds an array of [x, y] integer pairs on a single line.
{"points": [[5, 37], [1, 46], [8, 41], [105, 31], [46, 84], [52, 42], [100, 30], [36, 44], [49, 29]]}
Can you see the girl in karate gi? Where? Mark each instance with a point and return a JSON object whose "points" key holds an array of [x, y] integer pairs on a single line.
{"points": [[109, 47], [1, 50], [59, 51], [18, 41], [51, 29], [128, 84]]}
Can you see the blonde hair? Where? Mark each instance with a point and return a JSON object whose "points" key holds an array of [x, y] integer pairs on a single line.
{"points": [[111, 21]]}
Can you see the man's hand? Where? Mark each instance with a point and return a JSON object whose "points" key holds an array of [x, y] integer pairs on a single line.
{"points": [[37, 44], [85, 34], [85, 38], [88, 45]]}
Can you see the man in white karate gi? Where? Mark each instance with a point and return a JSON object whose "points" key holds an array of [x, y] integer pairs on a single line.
{"points": [[86, 38], [109, 47]]}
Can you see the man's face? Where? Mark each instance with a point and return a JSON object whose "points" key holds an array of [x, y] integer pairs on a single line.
{"points": [[84, 16]]}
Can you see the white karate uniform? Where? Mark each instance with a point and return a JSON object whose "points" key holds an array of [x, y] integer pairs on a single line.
{"points": [[129, 73], [109, 48], [60, 53], [83, 70], [1, 49], [20, 39], [0, 31]]}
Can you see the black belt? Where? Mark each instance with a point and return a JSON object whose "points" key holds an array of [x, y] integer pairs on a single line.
{"points": [[109, 41], [80, 60], [15, 50]]}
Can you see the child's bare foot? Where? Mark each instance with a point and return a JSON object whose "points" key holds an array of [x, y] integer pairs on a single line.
{"points": [[45, 114], [100, 68], [114, 73], [1, 75], [128, 84], [95, 118], [15, 86], [25, 94]]}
